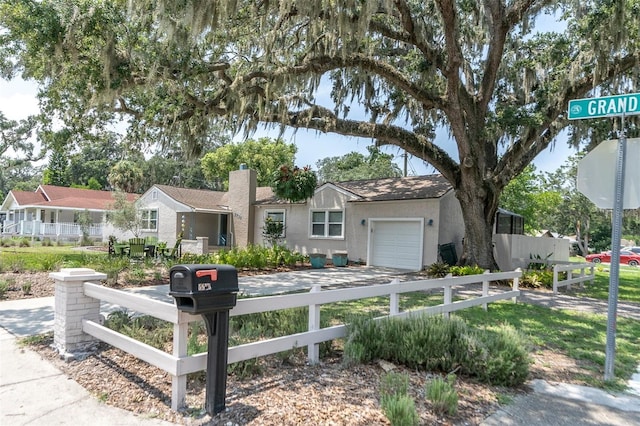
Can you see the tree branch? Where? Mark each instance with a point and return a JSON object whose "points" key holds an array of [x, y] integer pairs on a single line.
{"points": [[323, 120]]}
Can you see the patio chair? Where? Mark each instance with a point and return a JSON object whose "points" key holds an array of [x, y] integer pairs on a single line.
{"points": [[136, 248], [172, 253], [151, 246]]}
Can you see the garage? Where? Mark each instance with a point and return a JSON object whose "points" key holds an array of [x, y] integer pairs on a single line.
{"points": [[396, 243]]}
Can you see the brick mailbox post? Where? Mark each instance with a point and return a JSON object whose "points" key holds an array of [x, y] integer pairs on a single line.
{"points": [[71, 307]]}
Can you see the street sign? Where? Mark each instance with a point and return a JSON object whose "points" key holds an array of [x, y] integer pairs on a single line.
{"points": [[606, 106], [597, 170]]}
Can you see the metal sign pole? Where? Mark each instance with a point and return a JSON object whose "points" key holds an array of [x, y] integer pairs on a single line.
{"points": [[614, 275]]}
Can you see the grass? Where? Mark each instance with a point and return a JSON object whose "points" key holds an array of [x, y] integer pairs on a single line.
{"points": [[628, 284], [42, 259], [579, 335]]}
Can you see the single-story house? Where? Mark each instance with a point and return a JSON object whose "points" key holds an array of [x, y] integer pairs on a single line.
{"points": [[395, 222], [52, 212], [406, 222]]}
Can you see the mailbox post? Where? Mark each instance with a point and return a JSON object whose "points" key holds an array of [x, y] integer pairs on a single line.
{"points": [[209, 290]]}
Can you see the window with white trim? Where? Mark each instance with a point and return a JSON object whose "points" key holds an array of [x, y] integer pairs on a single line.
{"points": [[149, 220], [327, 223], [277, 217]]}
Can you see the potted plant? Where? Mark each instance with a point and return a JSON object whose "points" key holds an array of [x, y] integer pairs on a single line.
{"points": [[339, 258], [317, 260], [294, 183]]}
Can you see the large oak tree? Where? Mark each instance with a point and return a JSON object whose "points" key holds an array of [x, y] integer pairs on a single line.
{"points": [[486, 70]]}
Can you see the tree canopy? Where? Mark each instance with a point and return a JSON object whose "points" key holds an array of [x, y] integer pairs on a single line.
{"points": [[263, 155], [355, 166], [488, 71]]}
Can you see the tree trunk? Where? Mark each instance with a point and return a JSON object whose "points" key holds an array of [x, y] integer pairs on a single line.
{"points": [[479, 207]]}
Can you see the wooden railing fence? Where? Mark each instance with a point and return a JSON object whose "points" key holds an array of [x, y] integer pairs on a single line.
{"points": [[179, 364]]}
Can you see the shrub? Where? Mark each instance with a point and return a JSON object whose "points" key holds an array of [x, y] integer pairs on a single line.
{"points": [[438, 270], [401, 411], [393, 384], [7, 242], [538, 278], [497, 356], [466, 270], [145, 328], [4, 287], [26, 288], [50, 262], [442, 395], [399, 408], [24, 242], [501, 358]]}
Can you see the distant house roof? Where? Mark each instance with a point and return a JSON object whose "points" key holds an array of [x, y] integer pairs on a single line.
{"points": [[51, 196]]}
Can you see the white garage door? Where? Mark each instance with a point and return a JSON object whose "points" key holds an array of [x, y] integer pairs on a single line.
{"points": [[396, 244]]}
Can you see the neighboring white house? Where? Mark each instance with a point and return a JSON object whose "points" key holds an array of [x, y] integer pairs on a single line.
{"points": [[52, 212]]}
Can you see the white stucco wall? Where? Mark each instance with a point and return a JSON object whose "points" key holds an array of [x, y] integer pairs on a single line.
{"points": [[451, 223], [168, 221], [445, 216], [514, 251]]}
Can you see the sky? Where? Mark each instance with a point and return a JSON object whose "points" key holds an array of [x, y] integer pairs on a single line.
{"points": [[18, 100]]}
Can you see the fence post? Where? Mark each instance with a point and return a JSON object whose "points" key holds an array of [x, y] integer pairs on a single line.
{"points": [[71, 307], [485, 289], [394, 300], [448, 294], [180, 343], [582, 276], [313, 350], [516, 285], [569, 277], [555, 279]]}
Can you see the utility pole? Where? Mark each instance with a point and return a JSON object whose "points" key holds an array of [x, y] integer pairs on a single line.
{"points": [[405, 163]]}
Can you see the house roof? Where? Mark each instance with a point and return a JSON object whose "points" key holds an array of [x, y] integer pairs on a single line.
{"points": [[51, 196], [198, 199], [204, 199], [394, 189], [387, 189]]}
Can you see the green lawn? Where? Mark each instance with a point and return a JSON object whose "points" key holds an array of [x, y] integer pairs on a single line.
{"points": [[628, 284], [579, 335], [38, 258]]}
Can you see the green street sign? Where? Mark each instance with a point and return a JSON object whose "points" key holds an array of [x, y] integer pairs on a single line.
{"points": [[606, 106]]}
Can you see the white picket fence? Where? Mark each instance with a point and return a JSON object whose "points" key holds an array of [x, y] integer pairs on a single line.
{"points": [[569, 268], [179, 364]]}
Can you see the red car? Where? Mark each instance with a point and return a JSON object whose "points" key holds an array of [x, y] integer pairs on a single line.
{"points": [[628, 257]]}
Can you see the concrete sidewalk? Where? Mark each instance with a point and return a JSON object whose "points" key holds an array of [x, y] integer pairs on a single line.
{"points": [[33, 392]]}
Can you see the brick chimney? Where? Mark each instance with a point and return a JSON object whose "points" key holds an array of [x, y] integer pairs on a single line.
{"points": [[242, 196]]}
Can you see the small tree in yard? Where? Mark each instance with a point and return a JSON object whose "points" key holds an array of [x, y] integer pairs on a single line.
{"points": [[124, 214], [85, 222], [272, 231]]}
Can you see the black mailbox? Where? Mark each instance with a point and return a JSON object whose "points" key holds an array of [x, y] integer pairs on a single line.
{"points": [[209, 290], [203, 288]]}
